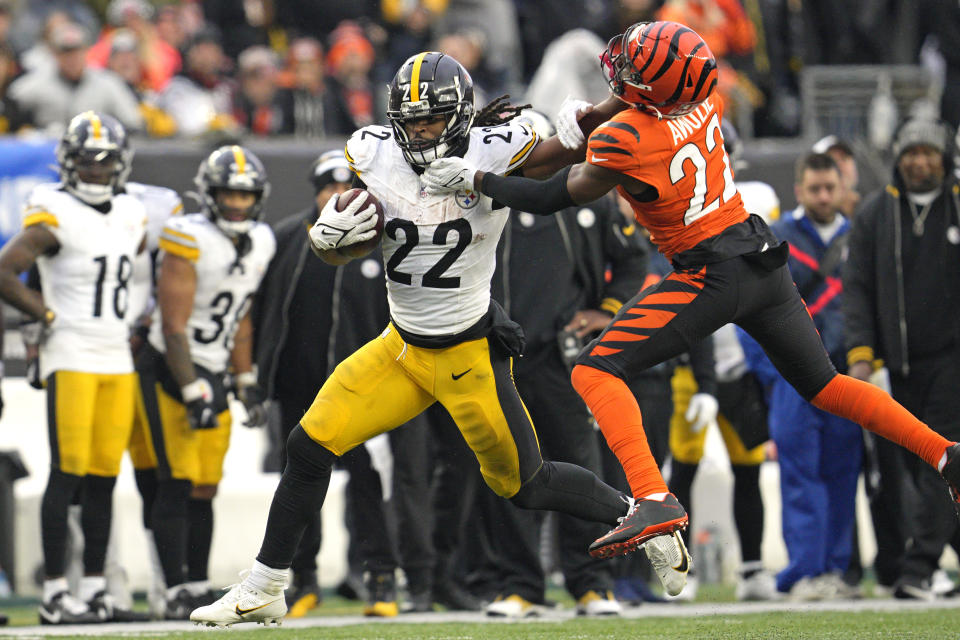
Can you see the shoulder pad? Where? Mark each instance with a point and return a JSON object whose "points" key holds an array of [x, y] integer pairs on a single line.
{"points": [[503, 148], [363, 145], [179, 237], [41, 206]]}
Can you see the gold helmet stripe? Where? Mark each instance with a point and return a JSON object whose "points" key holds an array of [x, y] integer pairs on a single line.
{"points": [[415, 77], [239, 158]]}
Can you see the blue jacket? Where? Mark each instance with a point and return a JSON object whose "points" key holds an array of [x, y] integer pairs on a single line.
{"points": [[823, 296]]}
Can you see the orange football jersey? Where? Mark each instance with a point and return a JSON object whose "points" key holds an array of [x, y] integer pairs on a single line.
{"points": [[684, 160]]}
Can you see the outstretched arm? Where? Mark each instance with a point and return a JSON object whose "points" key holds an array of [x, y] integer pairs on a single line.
{"points": [[578, 184]]}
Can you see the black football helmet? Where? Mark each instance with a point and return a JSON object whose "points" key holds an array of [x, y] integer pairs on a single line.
{"points": [[94, 157], [429, 84], [236, 168]]}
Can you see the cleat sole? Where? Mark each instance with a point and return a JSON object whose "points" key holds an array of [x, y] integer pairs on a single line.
{"points": [[636, 542]]}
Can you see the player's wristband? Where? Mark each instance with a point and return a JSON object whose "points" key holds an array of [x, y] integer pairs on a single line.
{"points": [[542, 197], [49, 315]]}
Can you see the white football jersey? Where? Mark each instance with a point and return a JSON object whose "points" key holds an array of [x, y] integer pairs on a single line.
{"points": [[87, 281], [225, 286], [160, 203], [439, 250]]}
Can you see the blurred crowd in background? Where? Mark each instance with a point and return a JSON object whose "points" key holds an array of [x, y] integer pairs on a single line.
{"points": [[315, 68]]}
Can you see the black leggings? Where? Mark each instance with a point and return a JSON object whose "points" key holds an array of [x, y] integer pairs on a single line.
{"points": [[686, 306]]}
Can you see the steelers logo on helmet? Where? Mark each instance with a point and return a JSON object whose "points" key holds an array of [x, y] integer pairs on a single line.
{"points": [[664, 68], [230, 171], [431, 84], [93, 157]]}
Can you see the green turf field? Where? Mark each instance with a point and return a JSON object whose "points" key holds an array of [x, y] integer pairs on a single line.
{"points": [[708, 619]]}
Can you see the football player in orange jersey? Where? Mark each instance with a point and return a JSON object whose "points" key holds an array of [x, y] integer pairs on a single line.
{"points": [[666, 157]]}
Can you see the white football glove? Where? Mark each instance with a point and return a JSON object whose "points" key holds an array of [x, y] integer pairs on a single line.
{"points": [[334, 229], [446, 175], [702, 411], [568, 117]]}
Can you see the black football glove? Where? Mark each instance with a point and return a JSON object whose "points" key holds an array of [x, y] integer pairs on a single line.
{"points": [[201, 414], [254, 400]]}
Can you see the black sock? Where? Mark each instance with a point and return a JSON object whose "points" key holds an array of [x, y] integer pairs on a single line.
{"points": [[300, 494], [200, 515], [568, 488], [748, 510], [681, 486], [147, 486], [95, 516], [169, 524], [61, 488]]}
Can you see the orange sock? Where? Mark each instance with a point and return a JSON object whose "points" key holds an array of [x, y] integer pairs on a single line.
{"points": [[876, 411], [617, 412]]}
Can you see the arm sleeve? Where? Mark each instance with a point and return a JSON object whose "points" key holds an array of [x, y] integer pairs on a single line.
{"points": [[704, 366], [542, 197]]}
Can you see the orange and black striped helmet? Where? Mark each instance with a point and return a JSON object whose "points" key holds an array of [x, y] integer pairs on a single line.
{"points": [[663, 67]]}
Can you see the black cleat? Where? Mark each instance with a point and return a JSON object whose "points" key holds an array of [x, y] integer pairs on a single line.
{"points": [[382, 595], [951, 472], [106, 609], [645, 519], [180, 605], [64, 608]]}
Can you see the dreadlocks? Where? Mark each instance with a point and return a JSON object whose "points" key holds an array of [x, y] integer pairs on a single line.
{"points": [[498, 111]]}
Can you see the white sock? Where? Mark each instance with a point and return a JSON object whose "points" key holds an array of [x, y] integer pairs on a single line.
{"points": [[656, 496], [268, 579], [91, 586], [52, 587]]}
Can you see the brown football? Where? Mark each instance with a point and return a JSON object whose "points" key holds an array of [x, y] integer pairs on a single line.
{"points": [[362, 248]]}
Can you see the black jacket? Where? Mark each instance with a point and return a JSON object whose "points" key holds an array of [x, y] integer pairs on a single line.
{"points": [[874, 311], [593, 237], [359, 301]]}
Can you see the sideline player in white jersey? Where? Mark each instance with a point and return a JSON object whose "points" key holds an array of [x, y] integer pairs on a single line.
{"points": [[84, 236], [447, 342], [210, 266]]}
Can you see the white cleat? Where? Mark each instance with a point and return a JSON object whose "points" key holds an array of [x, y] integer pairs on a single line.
{"points": [[242, 603], [669, 557]]}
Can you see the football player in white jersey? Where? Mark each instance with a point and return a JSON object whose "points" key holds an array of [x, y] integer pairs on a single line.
{"points": [[84, 236], [210, 266], [447, 342]]}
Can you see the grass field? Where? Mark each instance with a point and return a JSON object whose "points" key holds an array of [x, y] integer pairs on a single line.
{"points": [[716, 619]]}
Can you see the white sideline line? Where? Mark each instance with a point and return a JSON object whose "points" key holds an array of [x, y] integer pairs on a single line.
{"points": [[550, 615]]}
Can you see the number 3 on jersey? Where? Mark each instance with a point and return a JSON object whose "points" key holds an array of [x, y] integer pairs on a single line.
{"points": [[692, 152]]}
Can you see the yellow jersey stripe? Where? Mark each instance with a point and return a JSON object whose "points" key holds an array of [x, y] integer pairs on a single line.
{"points": [[346, 153], [521, 156], [191, 254], [415, 77], [180, 236], [40, 217], [177, 209], [239, 158]]}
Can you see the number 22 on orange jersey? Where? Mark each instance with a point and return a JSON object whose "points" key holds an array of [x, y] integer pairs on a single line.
{"points": [[679, 168]]}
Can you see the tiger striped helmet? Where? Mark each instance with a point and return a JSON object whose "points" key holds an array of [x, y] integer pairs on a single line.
{"points": [[662, 67]]}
